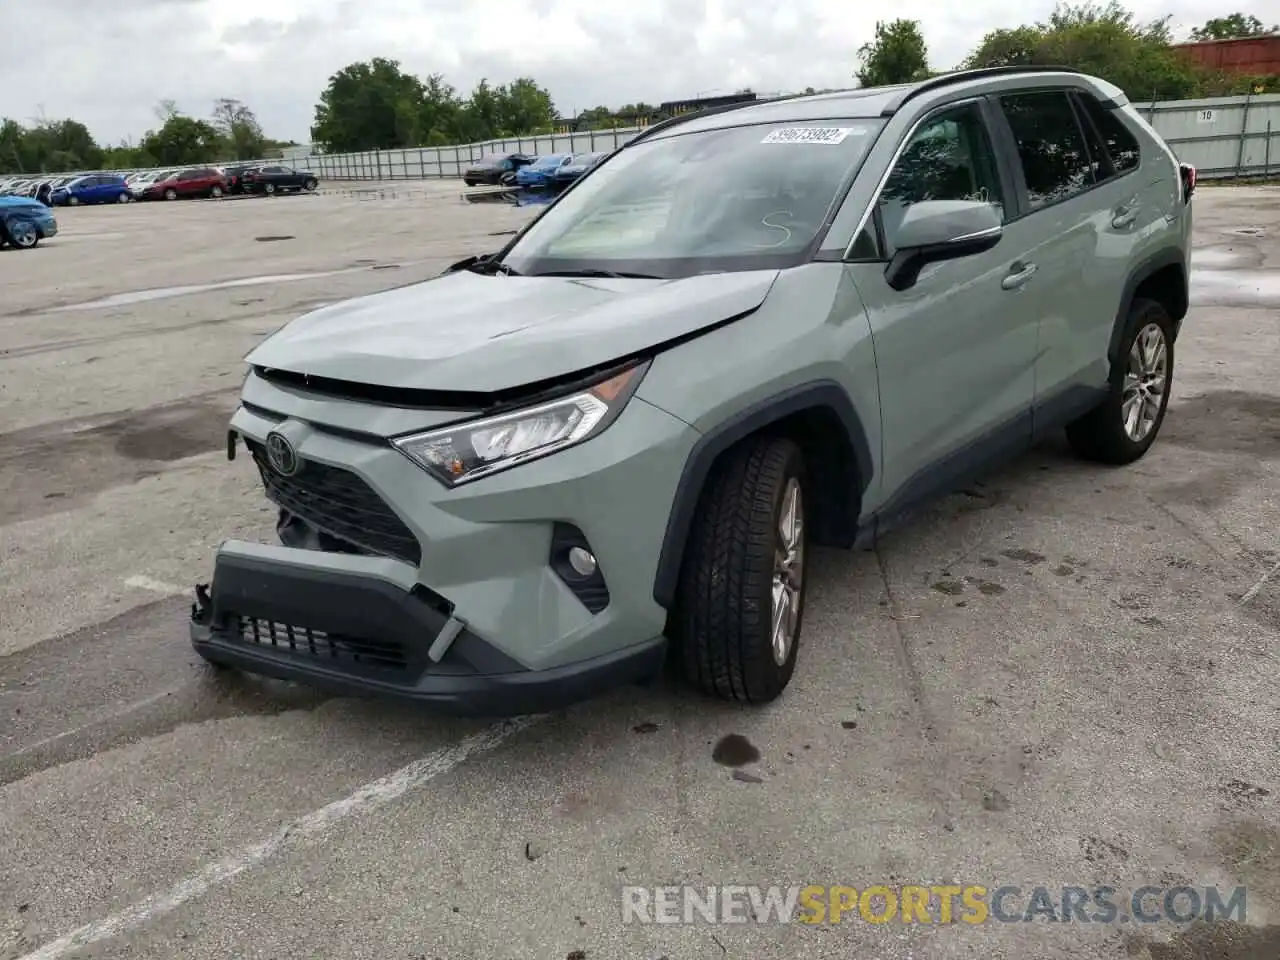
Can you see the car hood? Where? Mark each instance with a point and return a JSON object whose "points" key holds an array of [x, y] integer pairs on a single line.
{"points": [[470, 332]]}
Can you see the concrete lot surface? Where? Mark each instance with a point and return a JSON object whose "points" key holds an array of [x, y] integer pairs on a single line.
{"points": [[1065, 676]]}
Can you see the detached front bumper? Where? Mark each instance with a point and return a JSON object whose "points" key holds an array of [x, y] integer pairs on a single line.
{"points": [[351, 625]]}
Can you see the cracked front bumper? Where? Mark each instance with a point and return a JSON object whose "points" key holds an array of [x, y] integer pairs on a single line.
{"points": [[354, 629]]}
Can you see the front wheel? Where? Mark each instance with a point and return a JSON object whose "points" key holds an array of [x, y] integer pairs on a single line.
{"points": [[1122, 428], [269, 189], [310, 186], [171, 194], [740, 603], [73, 201]]}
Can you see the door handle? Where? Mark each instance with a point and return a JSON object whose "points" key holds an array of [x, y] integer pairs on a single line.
{"points": [[1124, 215], [1022, 273]]}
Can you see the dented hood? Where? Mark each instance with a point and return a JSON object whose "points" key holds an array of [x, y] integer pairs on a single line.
{"points": [[470, 332]]}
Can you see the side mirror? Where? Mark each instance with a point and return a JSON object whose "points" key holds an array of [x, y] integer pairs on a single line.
{"points": [[935, 230]]}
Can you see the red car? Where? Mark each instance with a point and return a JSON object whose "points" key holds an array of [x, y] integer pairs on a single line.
{"points": [[202, 182]]}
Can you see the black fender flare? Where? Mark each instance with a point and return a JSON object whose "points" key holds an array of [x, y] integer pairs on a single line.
{"points": [[815, 394], [1147, 268]]}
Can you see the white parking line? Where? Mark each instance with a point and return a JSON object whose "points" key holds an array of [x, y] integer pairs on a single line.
{"points": [[143, 582], [368, 798]]}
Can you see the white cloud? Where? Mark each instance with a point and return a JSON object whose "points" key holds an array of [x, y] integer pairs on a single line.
{"points": [[588, 52]]}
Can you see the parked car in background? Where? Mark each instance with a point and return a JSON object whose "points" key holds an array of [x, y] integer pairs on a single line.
{"points": [[24, 223], [496, 169], [94, 188], [146, 178], [275, 178], [234, 174], [542, 171], [15, 187], [187, 184], [577, 165]]}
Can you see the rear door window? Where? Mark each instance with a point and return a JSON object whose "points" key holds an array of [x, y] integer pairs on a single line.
{"points": [[1051, 147]]}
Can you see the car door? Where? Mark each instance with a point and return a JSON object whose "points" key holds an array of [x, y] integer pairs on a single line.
{"points": [[955, 352], [1064, 216]]}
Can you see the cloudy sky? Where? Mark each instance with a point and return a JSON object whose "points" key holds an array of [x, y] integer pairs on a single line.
{"points": [[108, 64]]}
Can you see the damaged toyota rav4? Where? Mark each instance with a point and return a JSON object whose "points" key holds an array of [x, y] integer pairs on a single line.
{"points": [[745, 333]]}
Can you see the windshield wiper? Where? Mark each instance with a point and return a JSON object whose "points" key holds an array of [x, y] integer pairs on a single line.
{"points": [[597, 272], [485, 265]]}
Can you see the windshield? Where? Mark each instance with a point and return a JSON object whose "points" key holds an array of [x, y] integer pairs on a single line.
{"points": [[546, 163], [744, 198]]}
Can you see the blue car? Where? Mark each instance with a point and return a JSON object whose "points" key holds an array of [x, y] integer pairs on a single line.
{"points": [[542, 171], [577, 165], [25, 222], [94, 188]]}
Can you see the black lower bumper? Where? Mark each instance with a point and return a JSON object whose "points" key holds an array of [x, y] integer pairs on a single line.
{"points": [[357, 635]]}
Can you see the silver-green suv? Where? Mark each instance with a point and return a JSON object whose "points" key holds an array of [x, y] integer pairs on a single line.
{"points": [[744, 333]]}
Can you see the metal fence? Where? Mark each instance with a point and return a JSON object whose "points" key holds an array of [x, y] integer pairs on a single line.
{"points": [[1225, 137]]}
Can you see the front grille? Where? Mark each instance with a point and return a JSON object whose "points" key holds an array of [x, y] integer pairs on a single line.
{"points": [[339, 503], [386, 655]]}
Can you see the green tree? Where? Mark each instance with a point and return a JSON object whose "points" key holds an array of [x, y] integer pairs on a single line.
{"points": [[239, 128], [1232, 27], [897, 55], [1104, 40], [525, 107], [368, 106], [182, 140]]}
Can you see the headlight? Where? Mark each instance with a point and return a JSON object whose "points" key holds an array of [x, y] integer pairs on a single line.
{"points": [[478, 448]]}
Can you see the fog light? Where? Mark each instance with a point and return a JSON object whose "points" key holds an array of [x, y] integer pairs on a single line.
{"points": [[582, 561]]}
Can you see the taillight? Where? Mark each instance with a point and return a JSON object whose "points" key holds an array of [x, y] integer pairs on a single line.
{"points": [[1187, 173]]}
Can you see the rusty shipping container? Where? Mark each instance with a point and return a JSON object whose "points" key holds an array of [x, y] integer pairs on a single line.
{"points": [[1250, 56]]}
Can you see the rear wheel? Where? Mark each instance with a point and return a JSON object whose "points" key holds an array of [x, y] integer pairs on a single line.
{"points": [[216, 193], [1122, 428], [740, 603], [123, 197]]}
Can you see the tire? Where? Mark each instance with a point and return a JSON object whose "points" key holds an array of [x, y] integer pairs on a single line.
{"points": [[310, 186], [469, 183], [24, 237], [1143, 375], [215, 193], [723, 623], [507, 179], [268, 188], [123, 198], [73, 201], [171, 194]]}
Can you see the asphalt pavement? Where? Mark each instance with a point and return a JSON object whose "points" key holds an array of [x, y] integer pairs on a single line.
{"points": [[1064, 675]]}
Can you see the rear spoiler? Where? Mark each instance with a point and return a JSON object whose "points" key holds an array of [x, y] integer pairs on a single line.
{"points": [[1187, 174]]}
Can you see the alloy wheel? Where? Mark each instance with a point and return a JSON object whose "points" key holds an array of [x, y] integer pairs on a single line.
{"points": [[1145, 379], [788, 571]]}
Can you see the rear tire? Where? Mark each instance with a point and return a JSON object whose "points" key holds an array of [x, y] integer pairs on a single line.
{"points": [[739, 575], [215, 193], [1122, 428]]}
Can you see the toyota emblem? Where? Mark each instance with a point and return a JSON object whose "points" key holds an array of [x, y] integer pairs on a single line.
{"points": [[281, 455]]}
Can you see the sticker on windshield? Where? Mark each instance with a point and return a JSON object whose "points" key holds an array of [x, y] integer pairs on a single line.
{"points": [[828, 135]]}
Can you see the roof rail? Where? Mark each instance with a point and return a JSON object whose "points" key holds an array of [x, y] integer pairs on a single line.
{"points": [[960, 76], [698, 114]]}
